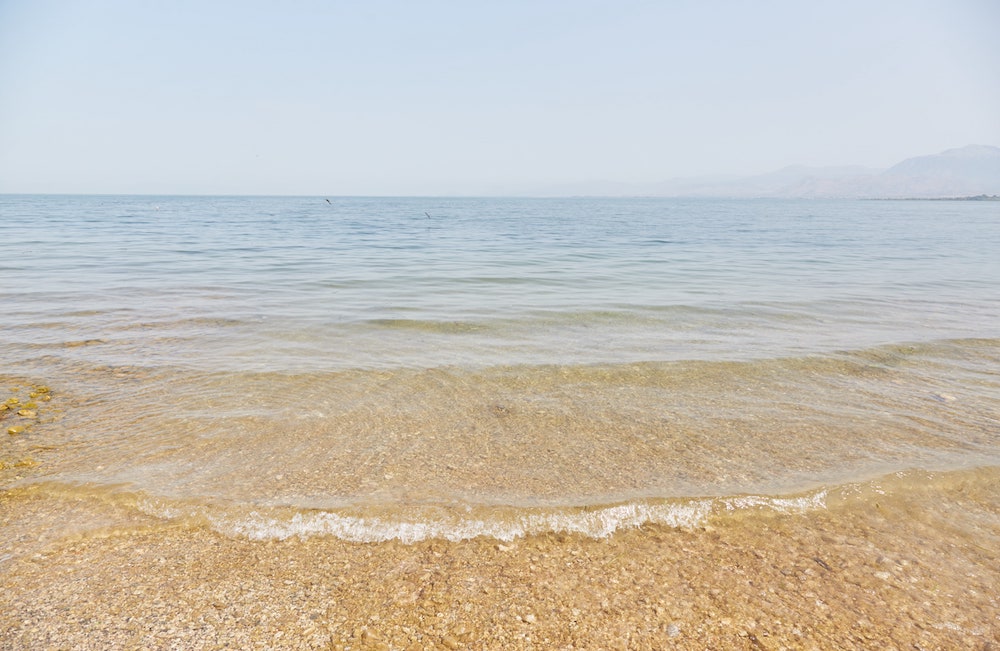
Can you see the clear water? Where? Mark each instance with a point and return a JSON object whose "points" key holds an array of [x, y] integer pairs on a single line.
{"points": [[458, 365]]}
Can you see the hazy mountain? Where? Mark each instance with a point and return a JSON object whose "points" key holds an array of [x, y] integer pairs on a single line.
{"points": [[967, 171], [795, 180]]}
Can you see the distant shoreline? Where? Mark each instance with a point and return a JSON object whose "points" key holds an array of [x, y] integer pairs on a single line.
{"points": [[978, 197]]}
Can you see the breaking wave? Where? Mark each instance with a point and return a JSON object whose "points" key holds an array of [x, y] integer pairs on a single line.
{"points": [[500, 524]]}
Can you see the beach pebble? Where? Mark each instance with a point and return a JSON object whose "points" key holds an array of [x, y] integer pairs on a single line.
{"points": [[673, 630], [28, 413], [16, 429]]}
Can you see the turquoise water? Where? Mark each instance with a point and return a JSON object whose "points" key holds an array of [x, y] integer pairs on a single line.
{"points": [[417, 359]]}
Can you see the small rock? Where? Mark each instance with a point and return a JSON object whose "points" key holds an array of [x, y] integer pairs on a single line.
{"points": [[673, 630], [16, 429], [530, 618], [451, 642], [28, 413]]}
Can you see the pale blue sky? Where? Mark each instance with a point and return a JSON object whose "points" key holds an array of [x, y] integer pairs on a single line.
{"points": [[381, 97]]}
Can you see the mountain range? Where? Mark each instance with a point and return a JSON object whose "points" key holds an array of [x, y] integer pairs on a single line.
{"points": [[964, 172]]}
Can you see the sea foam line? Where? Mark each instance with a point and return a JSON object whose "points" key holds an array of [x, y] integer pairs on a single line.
{"points": [[597, 523]]}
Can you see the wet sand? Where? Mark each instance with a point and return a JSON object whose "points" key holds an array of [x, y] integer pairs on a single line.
{"points": [[898, 573]]}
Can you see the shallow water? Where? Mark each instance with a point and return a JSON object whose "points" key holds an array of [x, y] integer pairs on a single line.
{"points": [[411, 368]]}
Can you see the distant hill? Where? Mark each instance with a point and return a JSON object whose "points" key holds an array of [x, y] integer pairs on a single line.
{"points": [[963, 172], [967, 171]]}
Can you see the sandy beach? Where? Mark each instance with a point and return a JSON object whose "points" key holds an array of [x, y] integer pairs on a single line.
{"points": [[892, 575], [499, 326], [282, 423]]}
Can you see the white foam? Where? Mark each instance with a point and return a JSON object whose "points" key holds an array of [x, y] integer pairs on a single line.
{"points": [[780, 504], [502, 524], [597, 523]]}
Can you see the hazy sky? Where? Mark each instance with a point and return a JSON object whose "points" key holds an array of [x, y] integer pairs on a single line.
{"points": [[370, 97]]}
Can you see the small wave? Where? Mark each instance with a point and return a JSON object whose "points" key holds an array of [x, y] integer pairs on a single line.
{"points": [[501, 524], [595, 524], [781, 504], [413, 524]]}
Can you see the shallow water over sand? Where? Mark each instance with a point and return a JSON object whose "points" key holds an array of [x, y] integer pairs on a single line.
{"points": [[409, 368], [452, 453], [499, 424], [905, 562]]}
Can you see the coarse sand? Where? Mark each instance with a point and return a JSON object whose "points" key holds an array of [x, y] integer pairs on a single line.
{"points": [[878, 578]]}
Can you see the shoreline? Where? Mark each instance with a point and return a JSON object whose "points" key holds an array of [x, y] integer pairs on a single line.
{"points": [[249, 395], [900, 574]]}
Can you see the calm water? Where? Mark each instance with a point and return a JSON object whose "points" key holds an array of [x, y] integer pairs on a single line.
{"points": [[372, 367]]}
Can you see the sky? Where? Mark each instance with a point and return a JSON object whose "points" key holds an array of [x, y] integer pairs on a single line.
{"points": [[380, 97]]}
